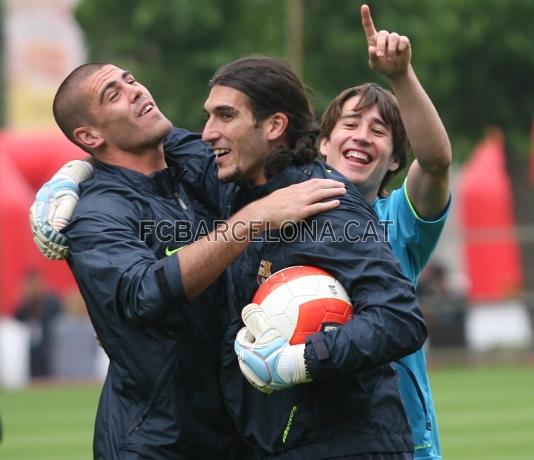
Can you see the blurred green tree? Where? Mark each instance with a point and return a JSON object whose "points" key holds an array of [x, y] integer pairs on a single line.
{"points": [[475, 59], [174, 46]]}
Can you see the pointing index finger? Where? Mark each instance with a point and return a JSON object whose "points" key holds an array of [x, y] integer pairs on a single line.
{"points": [[368, 26]]}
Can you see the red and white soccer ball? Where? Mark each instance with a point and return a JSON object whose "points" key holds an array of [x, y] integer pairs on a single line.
{"points": [[302, 300]]}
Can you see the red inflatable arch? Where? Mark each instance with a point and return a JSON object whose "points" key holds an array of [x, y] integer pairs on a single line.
{"points": [[26, 161], [486, 210]]}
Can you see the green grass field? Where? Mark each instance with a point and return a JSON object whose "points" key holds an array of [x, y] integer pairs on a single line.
{"points": [[484, 414]]}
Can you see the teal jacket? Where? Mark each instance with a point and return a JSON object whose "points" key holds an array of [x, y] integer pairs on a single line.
{"points": [[412, 241]]}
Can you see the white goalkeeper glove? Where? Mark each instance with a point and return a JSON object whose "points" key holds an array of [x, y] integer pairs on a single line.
{"points": [[266, 359], [53, 207]]}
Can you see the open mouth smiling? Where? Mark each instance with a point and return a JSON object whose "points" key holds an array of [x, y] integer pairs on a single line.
{"points": [[145, 108], [358, 156], [220, 152]]}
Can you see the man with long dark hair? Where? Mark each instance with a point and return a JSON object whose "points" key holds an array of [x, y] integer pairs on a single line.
{"points": [[340, 393]]}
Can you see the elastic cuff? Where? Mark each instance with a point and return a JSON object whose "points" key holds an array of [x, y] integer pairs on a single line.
{"points": [[306, 371], [316, 356], [319, 346]]}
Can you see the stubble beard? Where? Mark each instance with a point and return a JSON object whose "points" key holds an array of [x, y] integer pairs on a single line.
{"points": [[249, 148], [233, 176], [158, 134]]}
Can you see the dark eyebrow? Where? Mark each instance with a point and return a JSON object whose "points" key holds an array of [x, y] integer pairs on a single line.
{"points": [[358, 115], [381, 122], [226, 109], [351, 115], [113, 83]]}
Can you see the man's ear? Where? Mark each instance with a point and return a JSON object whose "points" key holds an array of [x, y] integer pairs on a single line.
{"points": [[394, 165], [276, 126], [323, 146], [88, 137]]}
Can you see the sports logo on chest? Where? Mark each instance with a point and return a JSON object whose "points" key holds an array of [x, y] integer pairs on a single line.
{"points": [[264, 271]]}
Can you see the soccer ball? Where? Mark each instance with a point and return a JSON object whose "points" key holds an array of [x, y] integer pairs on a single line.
{"points": [[302, 300]]}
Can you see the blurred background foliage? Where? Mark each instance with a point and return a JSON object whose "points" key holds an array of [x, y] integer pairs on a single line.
{"points": [[476, 59]]}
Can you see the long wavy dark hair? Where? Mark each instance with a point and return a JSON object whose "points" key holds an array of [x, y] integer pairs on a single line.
{"points": [[271, 86]]}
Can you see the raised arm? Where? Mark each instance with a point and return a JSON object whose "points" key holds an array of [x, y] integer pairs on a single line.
{"points": [[428, 176]]}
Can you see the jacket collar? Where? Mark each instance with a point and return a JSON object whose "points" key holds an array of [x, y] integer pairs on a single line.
{"points": [[247, 192], [162, 182]]}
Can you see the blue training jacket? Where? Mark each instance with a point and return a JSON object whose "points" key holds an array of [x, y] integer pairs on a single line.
{"points": [[412, 240]]}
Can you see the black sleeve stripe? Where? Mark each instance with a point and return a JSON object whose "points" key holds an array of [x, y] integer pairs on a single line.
{"points": [[165, 289]]}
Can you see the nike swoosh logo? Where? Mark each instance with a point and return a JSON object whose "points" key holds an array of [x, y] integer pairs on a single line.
{"points": [[170, 252]]}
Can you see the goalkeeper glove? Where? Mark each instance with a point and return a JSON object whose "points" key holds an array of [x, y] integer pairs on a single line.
{"points": [[53, 207], [266, 359]]}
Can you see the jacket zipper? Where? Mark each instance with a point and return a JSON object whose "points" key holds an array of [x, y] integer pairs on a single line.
{"points": [[175, 194]]}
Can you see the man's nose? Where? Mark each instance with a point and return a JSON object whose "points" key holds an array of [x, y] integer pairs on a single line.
{"points": [[134, 92], [209, 133], [361, 134]]}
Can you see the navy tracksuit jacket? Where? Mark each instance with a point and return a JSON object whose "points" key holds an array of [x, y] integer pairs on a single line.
{"points": [[161, 398], [353, 404]]}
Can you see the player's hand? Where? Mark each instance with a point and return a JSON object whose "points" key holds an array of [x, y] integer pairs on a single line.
{"points": [[297, 202], [266, 359], [389, 53], [53, 207]]}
